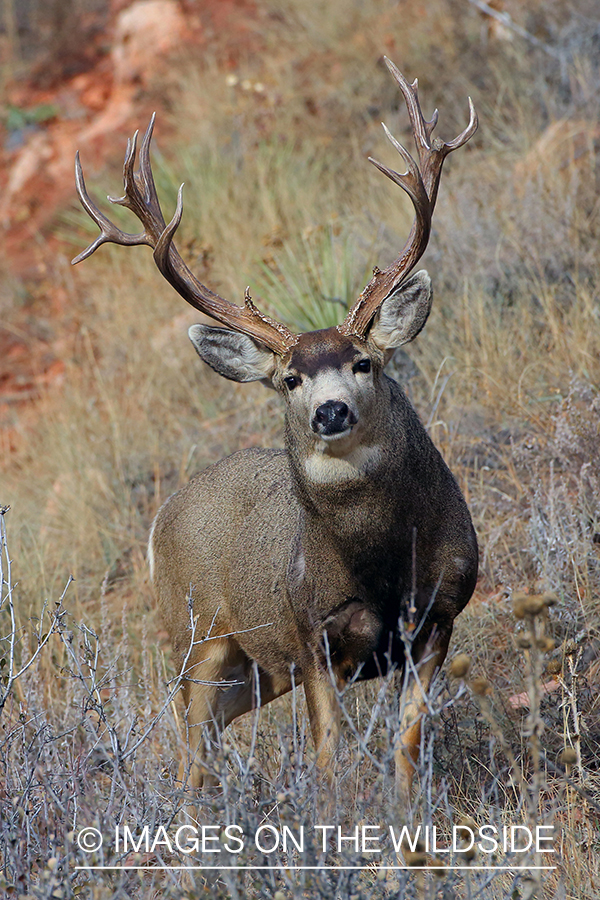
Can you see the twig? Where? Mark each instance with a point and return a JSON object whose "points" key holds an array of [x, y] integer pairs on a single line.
{"points": [[556, 770], [506, 20], [56, 619]]}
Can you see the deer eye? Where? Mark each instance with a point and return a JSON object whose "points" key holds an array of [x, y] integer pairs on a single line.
{"points": [[292, 381], [363, 365]]}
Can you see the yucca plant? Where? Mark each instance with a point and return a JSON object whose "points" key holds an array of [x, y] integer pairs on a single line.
{"points": [[307, 279]]}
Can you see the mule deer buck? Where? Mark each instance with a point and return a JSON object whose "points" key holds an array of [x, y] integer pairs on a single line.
{"points": [[350, 552]]}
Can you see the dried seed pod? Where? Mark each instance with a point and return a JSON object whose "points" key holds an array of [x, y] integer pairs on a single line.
{"points": [[523, 641], [545, 644], [534, 605], [554, 667], [518, 605], [568, 757], [416, 857], [480, 686], [469, 824], [440, 871], [460, 665]]}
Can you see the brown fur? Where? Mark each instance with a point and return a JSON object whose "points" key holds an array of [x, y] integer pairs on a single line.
{"points": [[295, 570]]}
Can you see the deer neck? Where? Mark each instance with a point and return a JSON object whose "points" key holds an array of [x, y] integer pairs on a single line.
{"points": [[335, 479]]}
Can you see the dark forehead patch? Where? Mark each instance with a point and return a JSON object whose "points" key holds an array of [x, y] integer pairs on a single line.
{"points": [[324, 349]]}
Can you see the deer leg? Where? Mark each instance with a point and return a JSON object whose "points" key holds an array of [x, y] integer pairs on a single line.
{"points": [[428, 658], [324, 716], [206, 675], [221, 686]]}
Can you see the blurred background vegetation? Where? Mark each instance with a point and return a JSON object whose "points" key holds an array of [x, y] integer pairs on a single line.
{"points": [[268, 112]]}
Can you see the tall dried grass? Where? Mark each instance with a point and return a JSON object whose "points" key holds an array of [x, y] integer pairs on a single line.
{"points": [[506, 375]]}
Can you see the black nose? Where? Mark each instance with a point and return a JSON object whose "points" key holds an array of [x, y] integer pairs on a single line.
{"points": [[332, 417]]}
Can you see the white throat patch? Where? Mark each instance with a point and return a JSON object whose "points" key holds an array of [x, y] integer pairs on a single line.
{"points": [[322, 467]]}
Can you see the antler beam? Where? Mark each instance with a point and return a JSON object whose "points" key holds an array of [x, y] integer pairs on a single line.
{"points": [[141, 198], [421, 185]]}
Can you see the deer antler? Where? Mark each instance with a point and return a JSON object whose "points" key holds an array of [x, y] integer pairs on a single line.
{"points": [[141, 198], [422, 187]]}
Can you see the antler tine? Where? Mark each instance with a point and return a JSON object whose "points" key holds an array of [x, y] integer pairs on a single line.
{"points": [[469, 131], [140, 191], [145, 174], [422, 129], [421, 183], [431, 156], [141, 198], [439, 152], [109, 233], [410, 181]]}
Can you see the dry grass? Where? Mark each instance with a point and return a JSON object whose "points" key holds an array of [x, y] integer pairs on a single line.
{"points": [[507, 375]]}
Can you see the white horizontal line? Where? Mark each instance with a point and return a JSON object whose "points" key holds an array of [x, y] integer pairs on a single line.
{"points": [[317, 868]]}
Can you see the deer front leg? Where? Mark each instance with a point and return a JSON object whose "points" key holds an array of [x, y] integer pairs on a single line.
{"points": [[427, 658], [324, 716], [219, 687], [222, 684], [207, 676]]}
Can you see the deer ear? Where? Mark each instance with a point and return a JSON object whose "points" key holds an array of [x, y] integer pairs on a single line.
{"points": [[233, 355], [403, 313]]}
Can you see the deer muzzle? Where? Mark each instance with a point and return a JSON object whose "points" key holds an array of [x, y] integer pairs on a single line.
{"points": [[333, 419]]}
